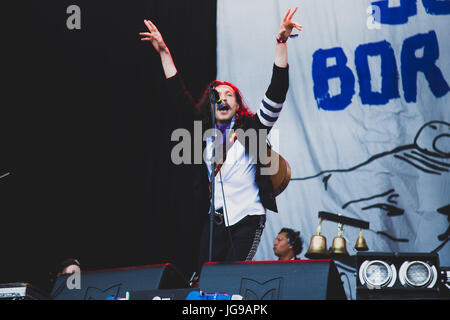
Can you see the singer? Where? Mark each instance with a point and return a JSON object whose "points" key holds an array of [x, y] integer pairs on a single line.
{"points": [[242, 194]]}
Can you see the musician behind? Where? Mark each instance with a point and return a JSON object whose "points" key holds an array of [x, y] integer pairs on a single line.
{"points": [[242, 193], [288, 244]]}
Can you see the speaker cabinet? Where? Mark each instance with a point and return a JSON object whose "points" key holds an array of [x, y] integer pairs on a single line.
{"points": [[274, 280], [99, 285], [385, 276]]}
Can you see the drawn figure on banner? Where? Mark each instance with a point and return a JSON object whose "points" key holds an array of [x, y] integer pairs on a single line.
{"points": [[426, 162]]}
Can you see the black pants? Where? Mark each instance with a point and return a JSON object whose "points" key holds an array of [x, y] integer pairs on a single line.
{"points": [[235, 243]]}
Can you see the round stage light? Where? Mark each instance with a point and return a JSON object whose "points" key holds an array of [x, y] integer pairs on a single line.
{"points": [[377, 274], [417, 274]]}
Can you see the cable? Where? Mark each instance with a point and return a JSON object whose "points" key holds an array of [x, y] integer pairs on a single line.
{"points": [[226, 215]]}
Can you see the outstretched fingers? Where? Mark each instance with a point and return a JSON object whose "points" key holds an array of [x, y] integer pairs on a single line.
{"points": [[151, 27], [286, 15], [288, 22], [297, 26], [292, 14], [147, 36]]}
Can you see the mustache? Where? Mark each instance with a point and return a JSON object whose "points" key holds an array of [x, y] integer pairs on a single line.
{"points": [[223, 107]]}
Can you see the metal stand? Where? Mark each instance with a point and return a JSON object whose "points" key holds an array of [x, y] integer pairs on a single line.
{"points": [[212, 208]]}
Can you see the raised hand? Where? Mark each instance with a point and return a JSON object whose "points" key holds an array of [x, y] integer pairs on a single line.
{"points": [[154, 36], [158, 43], [287, 25]]}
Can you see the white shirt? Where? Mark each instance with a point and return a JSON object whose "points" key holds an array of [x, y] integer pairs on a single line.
{"points": [[237, 176]]}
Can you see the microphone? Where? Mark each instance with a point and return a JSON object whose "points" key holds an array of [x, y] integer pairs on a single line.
{"points": [[221, 105], [216, 99]]}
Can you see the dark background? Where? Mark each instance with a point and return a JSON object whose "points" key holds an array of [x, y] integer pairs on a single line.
{"points": [[85, 136]]}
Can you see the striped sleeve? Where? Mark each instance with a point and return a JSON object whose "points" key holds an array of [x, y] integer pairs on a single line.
{"points": [[269, 111], [273, 100]]}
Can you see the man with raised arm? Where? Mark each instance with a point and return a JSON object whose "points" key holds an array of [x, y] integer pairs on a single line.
{"points": [[242, 194]]}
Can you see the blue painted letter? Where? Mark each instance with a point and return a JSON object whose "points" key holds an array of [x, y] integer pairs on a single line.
{"points": [[321, 74], [411, 65], [389, 73], [396, 15], [436, 7]]}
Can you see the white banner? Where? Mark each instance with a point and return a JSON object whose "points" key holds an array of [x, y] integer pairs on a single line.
{"points": [[366, 124]]}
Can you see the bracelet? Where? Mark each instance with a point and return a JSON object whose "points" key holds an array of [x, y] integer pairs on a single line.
{"points": [[281, 40]]}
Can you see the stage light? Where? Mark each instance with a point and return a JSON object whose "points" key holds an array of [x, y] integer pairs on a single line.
{"points": [[397, 275], [418, 274], [376, 274]]}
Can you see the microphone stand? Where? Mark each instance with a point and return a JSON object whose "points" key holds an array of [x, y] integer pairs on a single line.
{"points": [[212, 207]]}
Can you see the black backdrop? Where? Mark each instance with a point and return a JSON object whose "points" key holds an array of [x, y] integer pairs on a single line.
{"points": [[85, 136]]}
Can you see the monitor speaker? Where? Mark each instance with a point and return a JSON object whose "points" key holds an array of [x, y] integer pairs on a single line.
{"points": [[274, 280], [115, 283]]}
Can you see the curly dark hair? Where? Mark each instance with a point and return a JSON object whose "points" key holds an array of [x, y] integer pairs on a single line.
{"points": [[294, 239], [203, 107]]}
